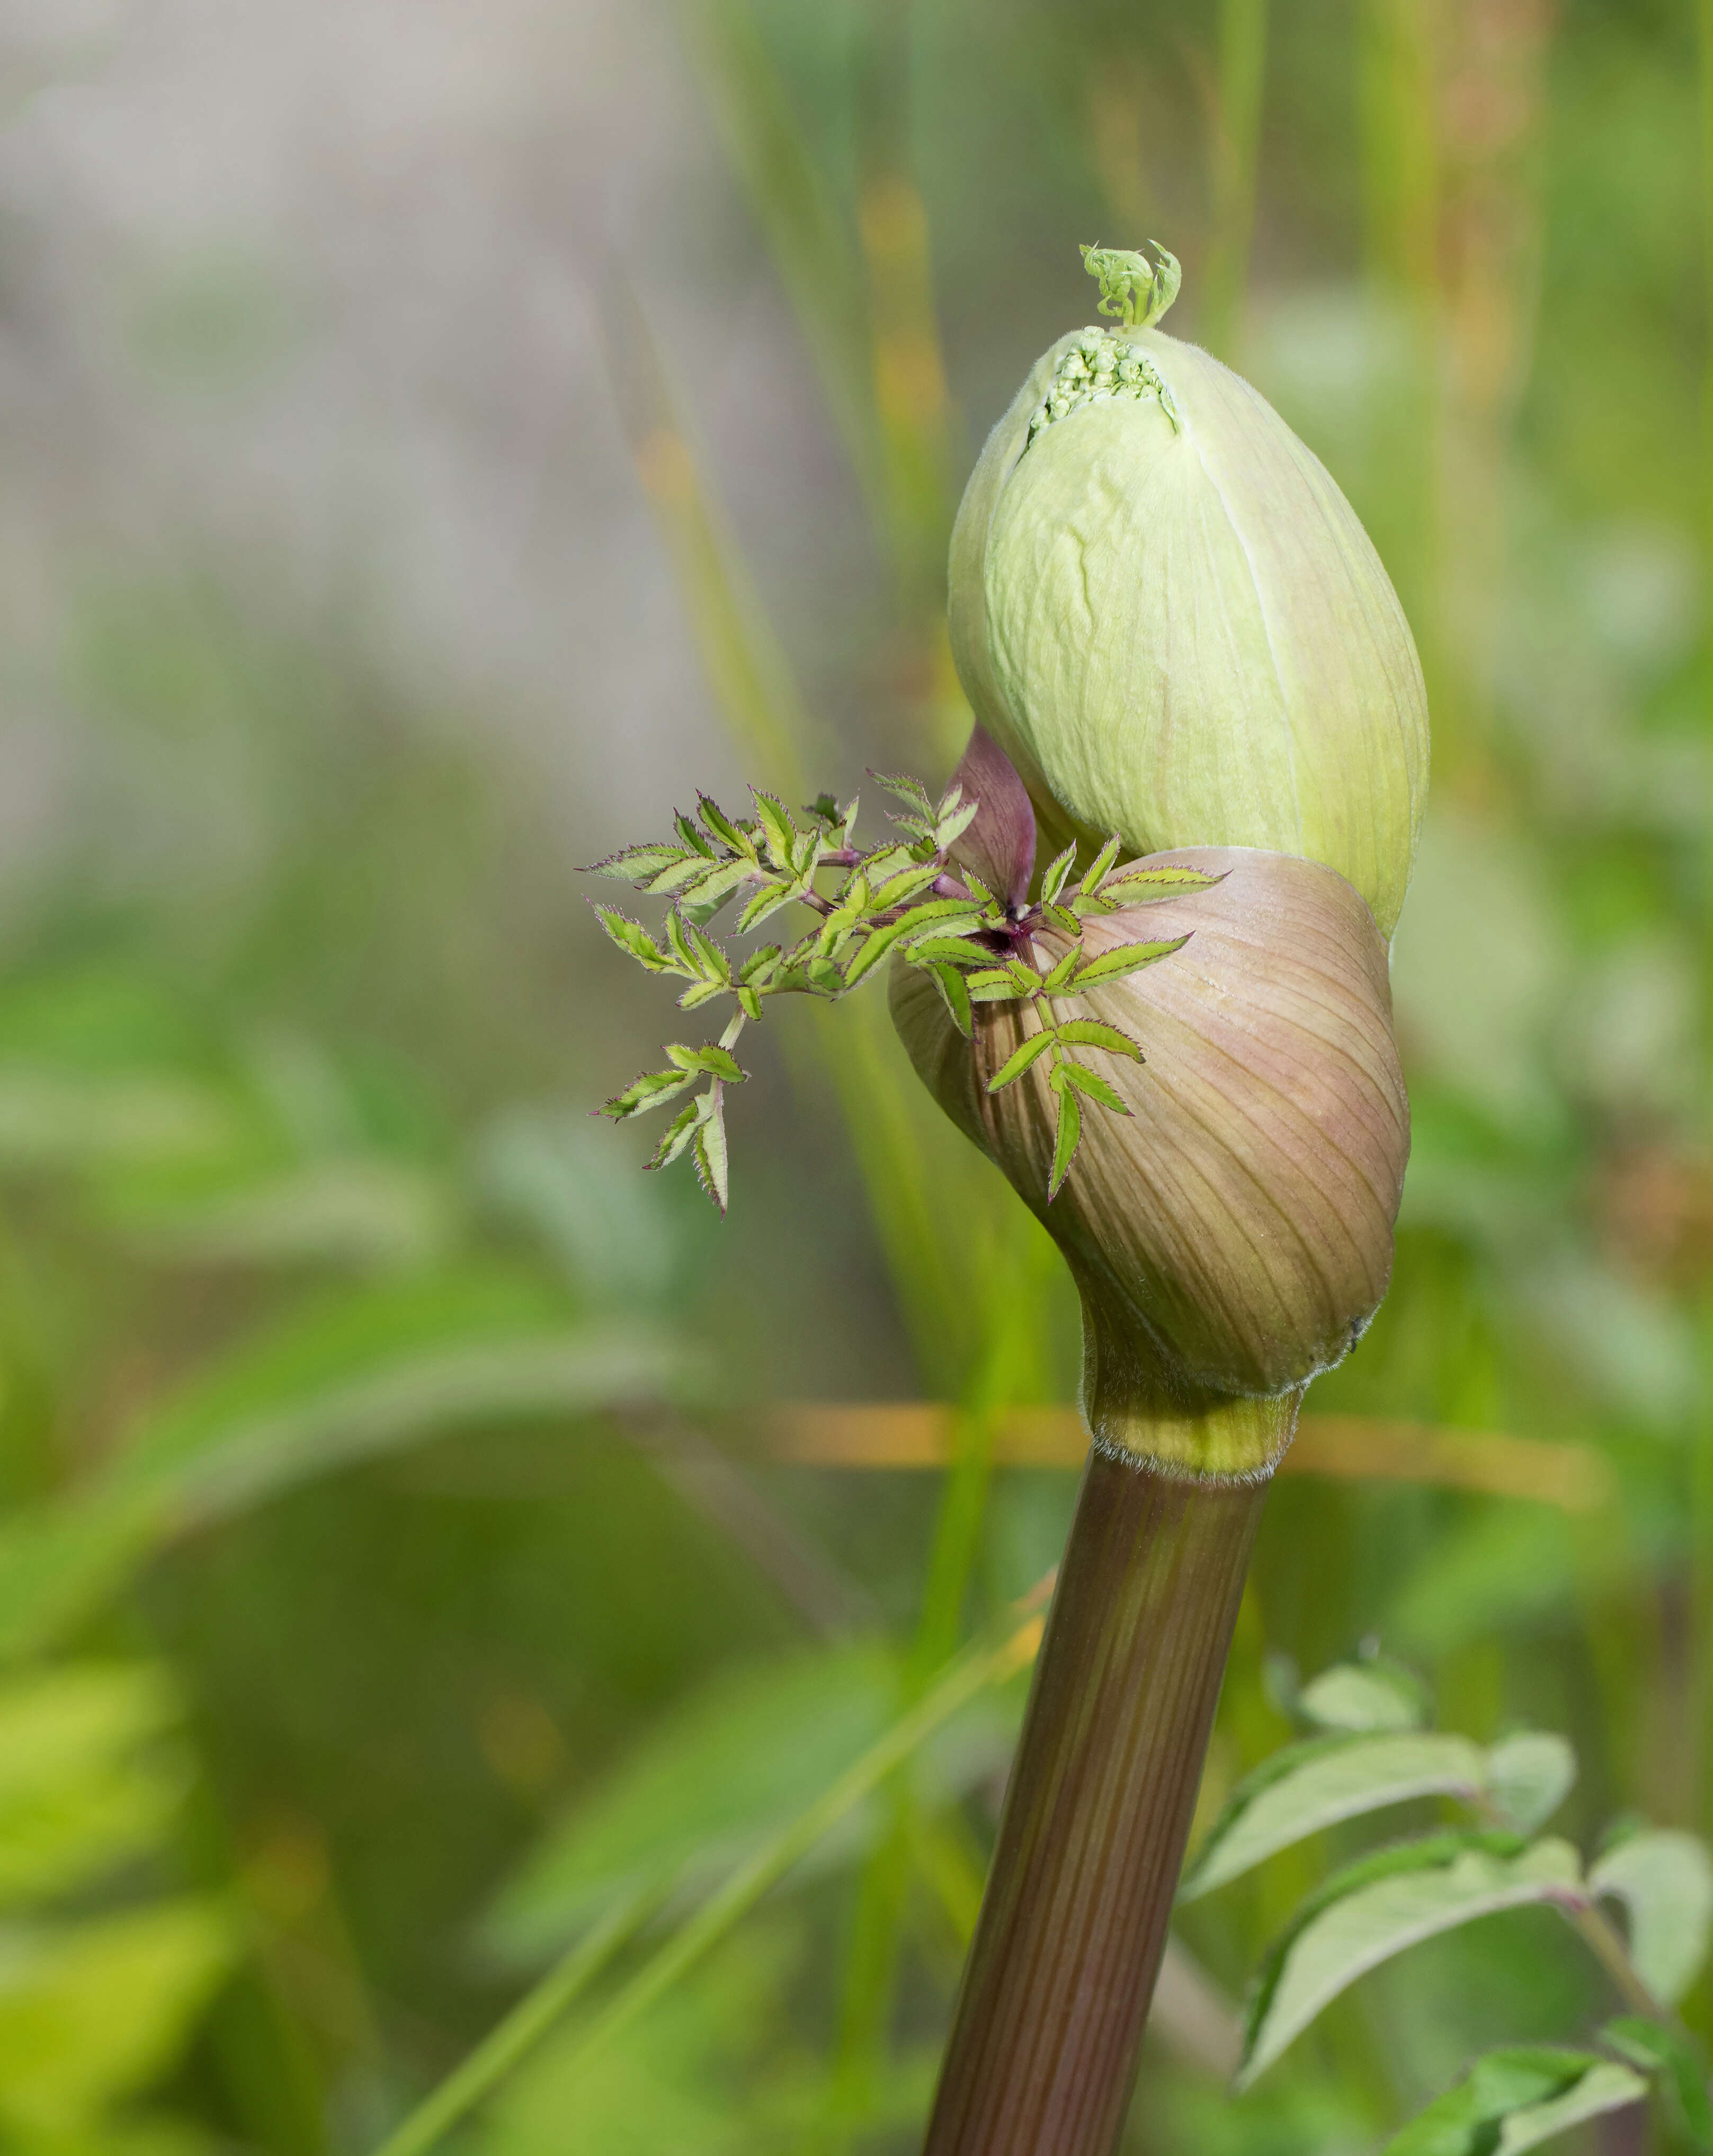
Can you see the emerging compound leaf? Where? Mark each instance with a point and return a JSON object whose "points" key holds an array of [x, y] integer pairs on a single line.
{"points": [[1529, 1776], [709, 1148], [1122, 959], [1666, 1881], [1066, 1142], [1376, 1908], [1672, 2059], [1528, 2093], [1094, 1033], [1308, 1787], [1369, 1695], [1095, 1086], [1018, 1061]]}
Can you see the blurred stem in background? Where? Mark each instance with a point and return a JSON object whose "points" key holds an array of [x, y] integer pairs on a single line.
{"points": [[1235, 146], [1400, 193]]}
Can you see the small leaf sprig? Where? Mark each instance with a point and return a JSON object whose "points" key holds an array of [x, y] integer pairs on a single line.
{"points": [[910, 897]]}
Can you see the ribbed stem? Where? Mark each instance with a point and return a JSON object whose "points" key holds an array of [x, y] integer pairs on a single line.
{"points": [[1049, 2018]]}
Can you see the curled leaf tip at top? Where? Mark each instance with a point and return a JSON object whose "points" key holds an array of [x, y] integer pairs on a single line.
{"points": [[1133, 290]]}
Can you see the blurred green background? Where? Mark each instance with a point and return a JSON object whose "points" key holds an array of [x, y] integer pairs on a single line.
{"points": [[439, 441]]}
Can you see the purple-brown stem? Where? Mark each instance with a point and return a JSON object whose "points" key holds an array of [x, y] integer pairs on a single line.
{"points": [[1049, 2016]]}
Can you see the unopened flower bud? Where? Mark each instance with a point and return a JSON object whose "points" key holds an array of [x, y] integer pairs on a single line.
{"points": [[1232, 1233], [1168, 615]]}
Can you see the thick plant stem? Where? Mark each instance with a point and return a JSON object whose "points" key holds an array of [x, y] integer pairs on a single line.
{"points": [[1049, 2018]]}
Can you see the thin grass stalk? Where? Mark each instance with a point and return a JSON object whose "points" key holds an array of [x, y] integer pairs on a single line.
{"points": [[1050, 2017], [1701, 1696], [1236, 143], [1008, 1647]]}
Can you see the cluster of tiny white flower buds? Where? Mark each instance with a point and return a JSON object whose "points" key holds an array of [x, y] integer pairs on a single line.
{"points": [[1097, 366]]}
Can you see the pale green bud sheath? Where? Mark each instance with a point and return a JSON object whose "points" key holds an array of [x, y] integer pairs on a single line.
{"points": [[1166, 614]]}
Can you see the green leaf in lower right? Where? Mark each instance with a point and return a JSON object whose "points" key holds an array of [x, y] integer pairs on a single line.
{"points": [[1517, 2098]]}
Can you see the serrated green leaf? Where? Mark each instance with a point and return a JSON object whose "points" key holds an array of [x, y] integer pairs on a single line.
{"points": [[1020, 1061], [1073, 1073], [823, 976], [956, 997], [1359, 1920], [678, 939], [633, 939], [693, 836], [652, 1090], [1515, 2098], [638, 863], [1067, 924], [1102, 864], [1057, 976], [778, 829], [1309, 1787], [1096, 1033], [760, 965], [702, 992], [719, 825], [1529, 1776], [1136, 886], [716, 1062], [903, 788], [679, 1133], [950, 826], [1054, 877], [1672, 2059], [713, 963], [949, 950], [1028, 978], [715, 890], [709, 1148], [1122, 960], [766, 902], [1664, 1879], [1366, 1696], [899, 888], [1066, 1140]]}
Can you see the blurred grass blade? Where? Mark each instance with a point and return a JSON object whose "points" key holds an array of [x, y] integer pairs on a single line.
{"points": [[369, 1371], [1237, 129], [917, 1434], [808, 232], [986, 1662]]}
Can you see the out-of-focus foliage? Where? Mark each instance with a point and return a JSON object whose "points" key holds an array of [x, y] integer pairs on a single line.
{"points": [[441, 442]]}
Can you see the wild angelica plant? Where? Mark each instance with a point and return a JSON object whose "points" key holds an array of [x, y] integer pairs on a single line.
{"points": [[1179, 646]]}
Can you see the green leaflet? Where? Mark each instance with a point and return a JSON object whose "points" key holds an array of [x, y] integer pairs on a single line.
{"points": [[1124, 959], [1376, 1908], [1066, 1141], [716, 1062], [1369, 1695], [1139, 886], [1664, 1879], [1529, 1776], [1310, 1786], [1096, 1033], [709, 1145], [1675, 2065], [1072, 1073], [1529, 2093], [1020, 1060]]}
